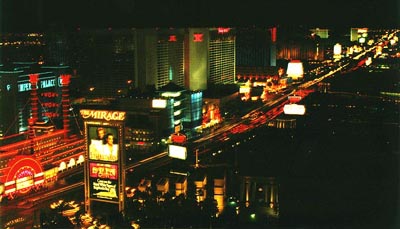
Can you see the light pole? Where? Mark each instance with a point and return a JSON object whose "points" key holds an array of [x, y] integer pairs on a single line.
{"points": [[196, 164]]}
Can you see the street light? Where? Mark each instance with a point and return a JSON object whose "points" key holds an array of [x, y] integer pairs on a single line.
{"points": [[196, 165]]}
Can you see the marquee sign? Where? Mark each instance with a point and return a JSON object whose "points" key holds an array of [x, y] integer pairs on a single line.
{"points": [[104, 167], [103, 181], [294, 109], [108, 171], [48, 82], [103, 115]]}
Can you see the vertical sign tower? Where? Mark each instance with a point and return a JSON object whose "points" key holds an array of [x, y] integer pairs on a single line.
{"points": [[104, 161]]}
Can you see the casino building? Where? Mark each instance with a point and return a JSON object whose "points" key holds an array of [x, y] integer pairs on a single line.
{"points": [[36, 141]]}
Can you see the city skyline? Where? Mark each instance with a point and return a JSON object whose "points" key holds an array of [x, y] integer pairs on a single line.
{"points": [[28, 16], [334, 165]]}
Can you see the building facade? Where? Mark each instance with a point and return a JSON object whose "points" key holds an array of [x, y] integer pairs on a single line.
{"points": [[222, 56], [17, 92]]}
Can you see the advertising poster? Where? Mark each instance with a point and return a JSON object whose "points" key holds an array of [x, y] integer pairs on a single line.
{"points": [[103, 143], [103, 181]]}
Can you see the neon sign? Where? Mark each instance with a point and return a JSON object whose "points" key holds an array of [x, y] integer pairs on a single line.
{"points": [[102, 114], [294, 109], [24, 87], [42, 84], [108, 171], [172, 38], [198, 37], [223, 30], [273, 34], [48, 83], [14, 222]]}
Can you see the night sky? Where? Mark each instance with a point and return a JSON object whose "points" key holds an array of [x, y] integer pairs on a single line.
{"points": [[31, 15]]}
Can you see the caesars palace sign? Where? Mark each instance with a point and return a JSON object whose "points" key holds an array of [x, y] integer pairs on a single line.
{"points": [[103, 115]]}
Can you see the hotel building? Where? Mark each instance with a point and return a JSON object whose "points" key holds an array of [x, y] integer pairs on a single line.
{"points": [[36, 141]]}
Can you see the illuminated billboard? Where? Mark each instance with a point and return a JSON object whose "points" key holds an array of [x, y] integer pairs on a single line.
{"points": [[295, 69], [98, 170], [104, 175], [159, 103], [103, 143], [176, 151], [103, 181], [294, 109], [105, 189]]}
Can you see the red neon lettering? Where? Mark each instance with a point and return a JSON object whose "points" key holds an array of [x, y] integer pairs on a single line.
{"points": [[198, 37], [223, 30], [172, 38]]}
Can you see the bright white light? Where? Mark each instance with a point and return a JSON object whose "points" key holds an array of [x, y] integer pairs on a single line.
{"points": [[179, 152], [171, 94], [159, 103], [244, 89], [295, 69], [294, 109], [337, 49]]}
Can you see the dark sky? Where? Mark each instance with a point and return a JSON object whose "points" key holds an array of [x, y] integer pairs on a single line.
{"points": [[30, 15]]}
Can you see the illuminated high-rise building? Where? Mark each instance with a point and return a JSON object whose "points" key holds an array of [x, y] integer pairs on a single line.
{"points": [[222, 56], [145, 67], [196, 58], [188, 57], [160, 57], [149, 58], [170, 57]]}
